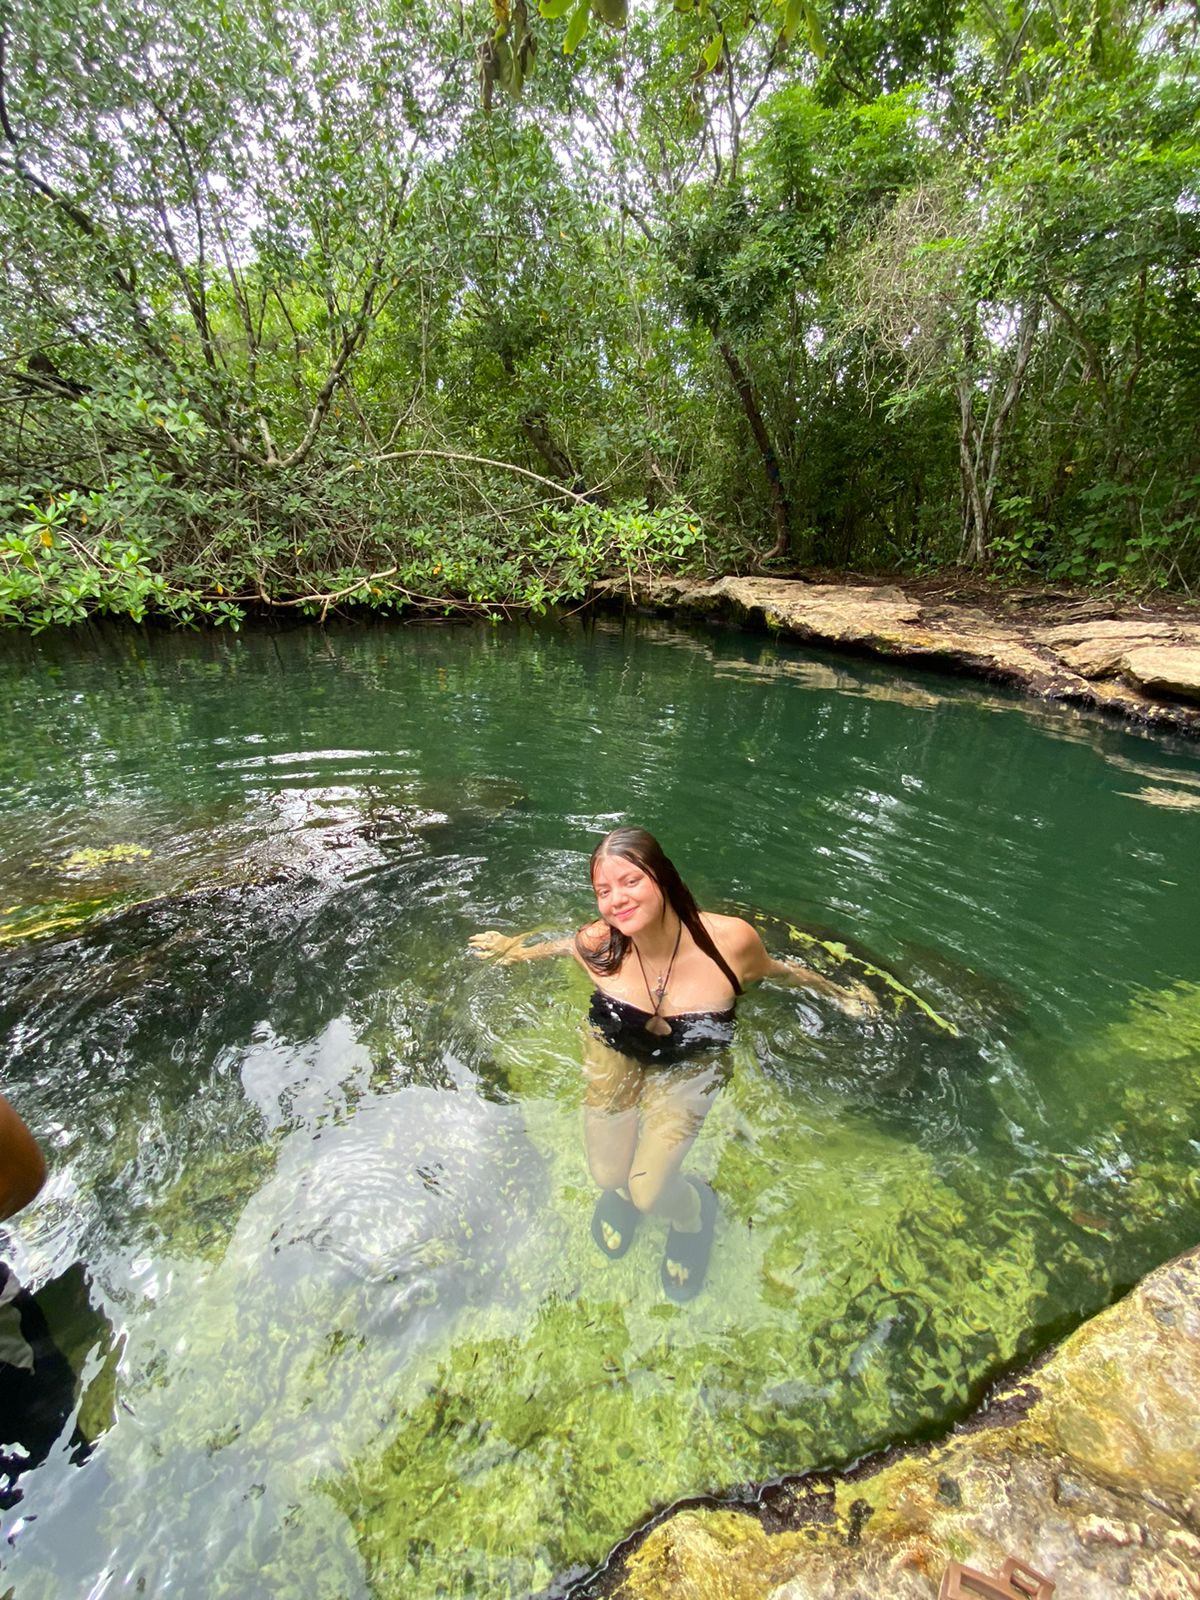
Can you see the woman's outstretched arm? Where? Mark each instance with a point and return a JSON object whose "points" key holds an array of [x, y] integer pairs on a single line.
{"points": [[741, 941], [855, 999], [506, 948], [22, 1165]]}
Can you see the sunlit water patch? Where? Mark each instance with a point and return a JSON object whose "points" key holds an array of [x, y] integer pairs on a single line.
{"points": [[316, 1241]]}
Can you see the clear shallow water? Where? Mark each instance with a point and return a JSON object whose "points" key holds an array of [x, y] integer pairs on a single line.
{"points": [[341, 1326]]}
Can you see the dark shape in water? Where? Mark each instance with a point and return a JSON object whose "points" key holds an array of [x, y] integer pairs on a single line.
{"points": [[38, 1382]]}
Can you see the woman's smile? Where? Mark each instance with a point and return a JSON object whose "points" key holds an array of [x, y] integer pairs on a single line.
{"points": [[624, 913]]}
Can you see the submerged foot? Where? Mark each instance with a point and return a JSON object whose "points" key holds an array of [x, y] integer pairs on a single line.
{"points": [[685, 1260], [614, 1222]]}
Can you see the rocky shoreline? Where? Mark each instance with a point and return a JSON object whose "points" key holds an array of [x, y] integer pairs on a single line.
{"points": [[1140, 662], [1086, 1470]]}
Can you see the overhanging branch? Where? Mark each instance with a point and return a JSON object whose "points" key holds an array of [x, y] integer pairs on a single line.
{"points": [[478, 461]]}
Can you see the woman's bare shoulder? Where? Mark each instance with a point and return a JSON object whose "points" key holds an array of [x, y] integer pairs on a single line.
{"points": [[740, 943], [731, 933]]}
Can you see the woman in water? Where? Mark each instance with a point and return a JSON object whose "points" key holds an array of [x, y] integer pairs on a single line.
{"points": [[667, 976]]}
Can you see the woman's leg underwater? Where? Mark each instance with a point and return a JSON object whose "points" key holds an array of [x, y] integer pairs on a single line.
{"points": [[674, 1104], [610, 1127], [613, 1084]]}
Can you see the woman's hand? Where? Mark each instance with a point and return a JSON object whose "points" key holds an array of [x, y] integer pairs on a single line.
{"points": [[502, 947], [854, 999]]}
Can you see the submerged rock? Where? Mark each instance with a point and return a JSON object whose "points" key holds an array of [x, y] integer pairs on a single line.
{"points": [[1088, 1470], [303, 833]]}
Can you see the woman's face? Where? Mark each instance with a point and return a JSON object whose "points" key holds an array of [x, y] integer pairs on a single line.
{"points": [[627, 897]]}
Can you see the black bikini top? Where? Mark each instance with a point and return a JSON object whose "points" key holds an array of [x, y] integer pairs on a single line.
{"points": [[622, 1026]]}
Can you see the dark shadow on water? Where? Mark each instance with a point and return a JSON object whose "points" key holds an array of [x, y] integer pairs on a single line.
{"points": [[900, 1073], [46, 1338]]}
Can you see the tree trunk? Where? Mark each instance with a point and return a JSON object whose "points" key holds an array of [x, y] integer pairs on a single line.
{"points": [[973, 541], [980, 441], [745, 392], [536, 429]]}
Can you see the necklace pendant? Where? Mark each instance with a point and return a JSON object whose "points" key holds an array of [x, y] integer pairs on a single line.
{"points": [[658, 1025]]}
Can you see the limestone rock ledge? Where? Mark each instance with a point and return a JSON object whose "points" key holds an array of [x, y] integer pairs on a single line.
{"points": [[1087, 1470], [1140, 667]]}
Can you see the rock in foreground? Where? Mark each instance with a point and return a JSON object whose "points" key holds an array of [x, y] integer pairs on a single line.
{"points": [[1088, 1470]]}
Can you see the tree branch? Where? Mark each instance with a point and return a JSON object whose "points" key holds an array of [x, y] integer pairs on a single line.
{"points": [[478, 461], [197, 297]]}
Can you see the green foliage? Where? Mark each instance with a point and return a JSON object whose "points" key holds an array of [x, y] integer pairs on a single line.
{"points": [[1043, 281], [317, 332], [874, 50], [586, 543], [1096, 546]]}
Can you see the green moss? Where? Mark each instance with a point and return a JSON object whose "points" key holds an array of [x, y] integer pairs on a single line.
{"points": [[1140, 1166], [43, 919], [1162, 1030], [197, 1214], [87, 860], [849, 965]]}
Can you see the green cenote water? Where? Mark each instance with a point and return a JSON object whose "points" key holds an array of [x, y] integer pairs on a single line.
{"points": [[317, 1230]]}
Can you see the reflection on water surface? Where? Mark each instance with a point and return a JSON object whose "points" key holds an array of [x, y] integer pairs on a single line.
{"points": [[338, 1321]]}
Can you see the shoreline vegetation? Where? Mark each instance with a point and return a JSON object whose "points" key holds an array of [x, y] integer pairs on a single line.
{"points": [[478, 308]]}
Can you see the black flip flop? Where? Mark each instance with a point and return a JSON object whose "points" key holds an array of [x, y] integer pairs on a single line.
{"points": [[621, 1216], [690, 1251]]}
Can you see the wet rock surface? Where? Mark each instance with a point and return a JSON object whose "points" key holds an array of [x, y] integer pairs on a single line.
{"points": [[1087, 1469], [1139, 662]]}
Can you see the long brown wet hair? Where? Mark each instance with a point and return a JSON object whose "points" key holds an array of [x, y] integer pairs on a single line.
{"points": [[645, 852]]}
